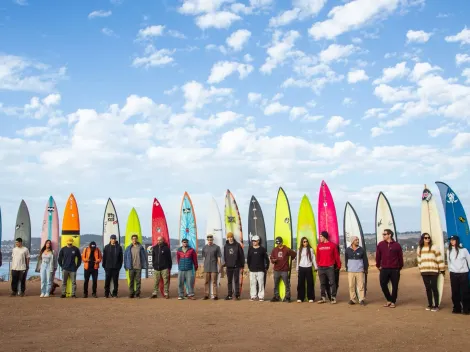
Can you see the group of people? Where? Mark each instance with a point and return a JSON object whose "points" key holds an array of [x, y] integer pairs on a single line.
{"points": [[324, 260]]}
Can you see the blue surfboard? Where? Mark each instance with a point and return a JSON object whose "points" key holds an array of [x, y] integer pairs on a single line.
{"points": [[188, 228]]}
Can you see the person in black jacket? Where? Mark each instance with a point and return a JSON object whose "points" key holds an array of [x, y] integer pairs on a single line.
{"points": [[69, 260], [161, 260], [258, 264], [234, 259], [112, 264]]}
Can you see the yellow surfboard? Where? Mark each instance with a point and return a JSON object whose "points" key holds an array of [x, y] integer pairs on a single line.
{"points": [[70, 229], [132, 228], [306, 227], [283, 229]]}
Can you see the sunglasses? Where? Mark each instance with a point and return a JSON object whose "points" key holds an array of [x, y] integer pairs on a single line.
{"points": [[385, 234], [427, 238], [304, 241], [210, 239]]}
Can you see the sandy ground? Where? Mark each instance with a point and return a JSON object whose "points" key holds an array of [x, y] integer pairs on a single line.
{"points": [[54, 324]]}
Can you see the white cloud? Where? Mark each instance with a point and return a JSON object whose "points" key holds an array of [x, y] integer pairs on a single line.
{"points": [[197, 96], [335, 123], [275, 108], [99, 13], [247, 58], [254, 97], [176, 34], [195, 7], [461, 140], [355, 76], [154, 57], [336, 52], [461, 59], [109, 32], [238, 39], [447, 129], [392, 95], [348, 101], [463, 37], [378, 131], [279, 50], [29, 132], [218, 20], [151, 31], [21, 2], [222, 69], [391, 73], [421, 69], [466, 74], [302, 9], [417, 36], [171, 91], [351, 16], [297, 111]]}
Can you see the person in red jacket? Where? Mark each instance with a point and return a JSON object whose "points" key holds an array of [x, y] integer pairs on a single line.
{"points": [[389, 260], [327, 258], [186, 257]]}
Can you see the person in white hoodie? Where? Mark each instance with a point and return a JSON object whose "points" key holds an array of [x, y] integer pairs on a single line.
{"points": [[458, 260], [306, 263]]}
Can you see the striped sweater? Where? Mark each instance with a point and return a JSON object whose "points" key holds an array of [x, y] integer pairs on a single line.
{"points": [[430, 260]]}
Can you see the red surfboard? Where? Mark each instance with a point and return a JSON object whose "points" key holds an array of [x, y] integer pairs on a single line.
{"points": [[159, 228]]}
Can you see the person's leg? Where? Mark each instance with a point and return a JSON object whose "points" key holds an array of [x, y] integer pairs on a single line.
{"points": [[66, 275], [132, 274], [115, 278], [156, 281], [87, 274], [107, 282], [236, 279], [260, 280], [181, 277], [230, 273], [94, 276], [253, 285], [332, 279], [427, 286], [301, 284], [166, 284], [207, 280], [277, 280], [43, 274], [384, 277], [360, 286], [395, 278], [455, 289], [310, 288], [73, 277], [14, 281], [465, 293], [323, 282], [23, 281], [48, 282], [285, 279], [138, 280], [215, 287], [352, 287], [190, 277], [434, 290]]}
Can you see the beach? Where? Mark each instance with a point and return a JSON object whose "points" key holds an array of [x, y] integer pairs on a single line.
{"points": [[55, 324]]}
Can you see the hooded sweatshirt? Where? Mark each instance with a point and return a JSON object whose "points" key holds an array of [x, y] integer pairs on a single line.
{"points": [[69, 258], [112, 256], [458, 263], [328, 255], [282, 255], [356, 261], [91, 257], [234, 256], [161, 257], [257, 259]]}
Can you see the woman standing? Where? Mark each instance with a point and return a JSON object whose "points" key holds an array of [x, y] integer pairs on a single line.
{"points": [[305, 261], [47, 264], [458, 260], [430, 264]]}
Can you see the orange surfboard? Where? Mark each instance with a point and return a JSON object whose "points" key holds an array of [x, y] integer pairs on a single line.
{"points": [[70, 229]]}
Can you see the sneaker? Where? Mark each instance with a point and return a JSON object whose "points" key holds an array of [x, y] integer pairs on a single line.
{"points": [[310, 301], [206, 298], [136, 296], [275, 299], [131, 296], [351, 302], [237, 297], [180, 298], [106, 296], [456, 312], [261, 299], [299, 301], [192, 298], [286, 300], [428, 308], [154, 295], [22, 294], [85, 295], [47, 295], [466, 313], [94, 295], [228, 298], [13, 294], [215, 298], [435, 309], [42, 295], [333, 300], [322, 300], [62, 296], [167, 296], [362, 303], [74, 296], [252, 299]]}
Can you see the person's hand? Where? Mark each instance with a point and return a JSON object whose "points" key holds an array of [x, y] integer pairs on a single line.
{"points": [[443, 273], [315, 270], [365, 272]]}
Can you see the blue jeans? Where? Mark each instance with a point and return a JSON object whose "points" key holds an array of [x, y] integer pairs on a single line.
{"points": [[189, 278], [46, 278]]}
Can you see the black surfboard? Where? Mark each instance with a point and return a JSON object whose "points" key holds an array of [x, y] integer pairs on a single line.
{"points": [[256, 226]]}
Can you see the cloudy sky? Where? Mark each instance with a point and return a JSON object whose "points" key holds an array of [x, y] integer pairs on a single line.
{"points": [[134, 100]]}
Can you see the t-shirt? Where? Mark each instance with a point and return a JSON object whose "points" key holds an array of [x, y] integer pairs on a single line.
{"points": [[18, 258], [135, 254], [282, 256], [210, 255]]}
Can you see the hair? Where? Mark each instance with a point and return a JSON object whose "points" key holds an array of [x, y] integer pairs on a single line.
{"points": [[19, 239], [135, 236], [309, 253], [457, 244], [324, 234], [390, 232], [44, 247], [421, 241]]}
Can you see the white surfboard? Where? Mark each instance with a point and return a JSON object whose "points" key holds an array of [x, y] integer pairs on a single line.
{"points": [[214, 227], [110, 227], [384, 220], [352, 227], [431, 223]]}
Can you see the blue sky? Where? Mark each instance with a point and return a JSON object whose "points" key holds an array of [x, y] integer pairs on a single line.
{"points": [[135, 100]]}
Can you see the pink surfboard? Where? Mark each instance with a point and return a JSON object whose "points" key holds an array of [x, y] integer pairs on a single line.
{"points": [[327, 219], [50, 227], [160, 228]]}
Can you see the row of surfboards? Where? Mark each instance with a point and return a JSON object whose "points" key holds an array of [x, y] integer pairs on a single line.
{"points": [[306, 225]]}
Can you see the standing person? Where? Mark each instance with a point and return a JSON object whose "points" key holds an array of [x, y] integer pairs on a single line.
{"points": [[328, 261], [430, 264], [258, 263], [212, 266], [306, 263], [161, 261], [357, 265], [69, 260], [135, 260], [234, 261], [92, 258], [19, 266], [280, 258], [186, 257], [112, 264], [389, 260], [47, 264], [458, 260]]}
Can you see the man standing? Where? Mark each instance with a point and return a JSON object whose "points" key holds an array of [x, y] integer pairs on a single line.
{"points": [[161, 260], [234, 261], [69, 260], [258, 263], [135, 260], [327, 258], [91, 257], [357, 265], [212, 266], [19, 266], [389, 260], [280, 258], [186, 258], [112, 264]]}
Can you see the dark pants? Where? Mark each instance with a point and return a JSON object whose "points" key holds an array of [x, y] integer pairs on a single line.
{"points": [[327, 277], [135, 276], [328, 291], [17, 276], [233, 274], [430, 283], [305, 275], [392, 275], [460, 292], [111, 274], [94, 276]]}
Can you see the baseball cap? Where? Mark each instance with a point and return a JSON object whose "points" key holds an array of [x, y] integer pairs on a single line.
{"points": [[279, 240], [255, 238]]}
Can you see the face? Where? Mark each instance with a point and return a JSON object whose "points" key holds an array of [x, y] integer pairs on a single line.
{"points": [[93, 246], [48, 244], [210, 240], [18, 244], [134, 239], [185, 244], [160, 240], [322, 239], [453, 242], [230, 240], [305, 242], [427, 239], [386, 236], [255, 243], [69, 244], [356, 241], [279, 244], [113, 241]]}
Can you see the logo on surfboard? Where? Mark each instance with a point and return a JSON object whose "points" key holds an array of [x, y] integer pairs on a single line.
{"points": [[452, 198], [427, 195]]}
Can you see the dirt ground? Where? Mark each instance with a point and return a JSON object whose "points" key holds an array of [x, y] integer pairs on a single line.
{"points": [[31, 323]]}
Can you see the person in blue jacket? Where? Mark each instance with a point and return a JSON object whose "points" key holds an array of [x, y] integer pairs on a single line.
{"points": [[135, 259]]}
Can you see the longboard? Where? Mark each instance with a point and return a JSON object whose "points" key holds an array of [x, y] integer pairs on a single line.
{"points": [[160, 228], [70, 229], [188, 227], [110, 227], [233, 223]]}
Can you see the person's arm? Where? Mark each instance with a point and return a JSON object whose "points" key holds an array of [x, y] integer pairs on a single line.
{"points": [[314, 259], [400, 257], [79, 258], [297, 261], [60, 260], [346, 258], [219, 260], [120, 257], [143, 258], [225, 256], [241, 257], [83, 255], [153, 256], [378, 257], [168, 258], [28, 256], [248, 258], [178, 257], [467, 257], [366, 262], [104, 257], [318, 255], [292, 253], [266, 259], [100, 256], [194, 257], [337, 258]]}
